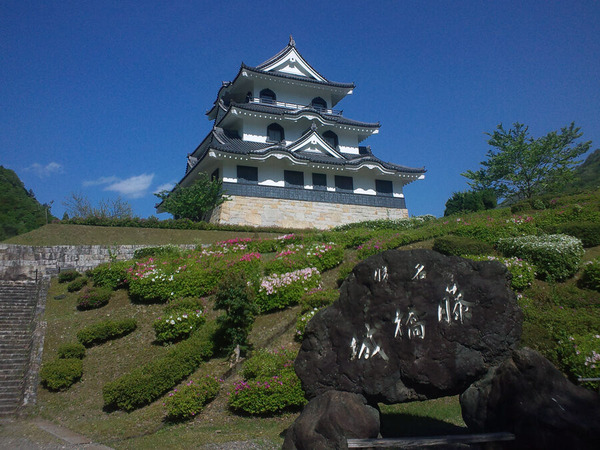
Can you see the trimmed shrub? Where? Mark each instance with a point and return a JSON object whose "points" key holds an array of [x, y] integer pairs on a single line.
{"points": [[77, 284], [270, 385], [324, 256], [61, 374], [93, 297], [147, 383], [556, 257], [105, 331], [112, 275], [188, 400], [279, 291], [461, 246], [68, 276], [71, 350], [344, 270], [590, 277], [318, 298], [175, 327]]}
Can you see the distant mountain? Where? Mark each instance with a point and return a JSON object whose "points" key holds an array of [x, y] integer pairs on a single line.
{"points": [[20, 212], [587, 175]]}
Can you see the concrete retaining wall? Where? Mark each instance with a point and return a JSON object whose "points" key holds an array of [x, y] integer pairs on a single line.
{"points": [[18, 262]]}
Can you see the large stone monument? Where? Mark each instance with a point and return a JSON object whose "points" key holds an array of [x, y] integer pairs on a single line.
{"points": [[411, 325]]}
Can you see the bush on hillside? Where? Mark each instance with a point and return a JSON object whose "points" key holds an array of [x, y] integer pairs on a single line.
{"points": [[188, 400], [270, 384], [105, 331], [318, 298], [71, 350], [461, 246], [301, 322], [112, 275], [588, 232], [590, 277], [93, 297], [67, 276], [278, 291], [60, 374], [175, 327], [579, 356], [77, 284], [556, 257], [147, 383]]}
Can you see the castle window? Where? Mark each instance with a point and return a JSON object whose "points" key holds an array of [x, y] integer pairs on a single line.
{"points": [[319, 181], [344, 184], [318, 103], [331, 138], [267, 96], [247, 174], [293, 178], [383, 187], [215, 175], [275, 133]]}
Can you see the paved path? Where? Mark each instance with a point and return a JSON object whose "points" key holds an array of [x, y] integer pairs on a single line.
{"points": [[36, 434]]}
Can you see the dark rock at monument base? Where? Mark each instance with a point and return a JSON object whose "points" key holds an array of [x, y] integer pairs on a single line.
{"points": [[528, 396], [411, 325], [329, 419]]}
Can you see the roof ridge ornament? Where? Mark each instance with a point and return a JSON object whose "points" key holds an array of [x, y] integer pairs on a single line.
{"points": [[292, 43], [313, 127]]}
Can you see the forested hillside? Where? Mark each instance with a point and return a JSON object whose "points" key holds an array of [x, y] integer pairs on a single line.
{"points": [[20, 212], [587, 175]]}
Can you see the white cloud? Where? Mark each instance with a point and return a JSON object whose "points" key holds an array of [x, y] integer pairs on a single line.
{"points": [[45, 171], [164, 187], [100, 181], [132, 187]]}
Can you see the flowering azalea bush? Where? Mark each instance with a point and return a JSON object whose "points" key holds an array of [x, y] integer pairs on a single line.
{"points": [[324, 256], [579, 356], [556, 256], [270, 385], [188, 400], [277, 291], [112, 275], [175, 327]]}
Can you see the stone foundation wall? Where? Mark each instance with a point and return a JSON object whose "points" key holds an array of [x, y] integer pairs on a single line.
{"points": [[31, 262], [296, 213]]}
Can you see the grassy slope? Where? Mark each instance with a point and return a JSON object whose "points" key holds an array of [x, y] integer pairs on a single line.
{"points": [[80, 408], [58, 234]]}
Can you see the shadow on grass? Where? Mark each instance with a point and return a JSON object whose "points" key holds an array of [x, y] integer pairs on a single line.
{"points": [[406, 425]]}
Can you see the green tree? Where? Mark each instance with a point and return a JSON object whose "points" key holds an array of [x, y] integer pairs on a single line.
{"points": [[193, 202], [521, 166], [471, 201], [20, 212]]}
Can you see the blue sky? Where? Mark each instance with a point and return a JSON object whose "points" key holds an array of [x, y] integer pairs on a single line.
{"points": [[106, 98]]}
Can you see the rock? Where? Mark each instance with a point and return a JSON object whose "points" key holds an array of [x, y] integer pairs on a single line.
{"points": [[411, 325], [329, 419], [528, 396]]}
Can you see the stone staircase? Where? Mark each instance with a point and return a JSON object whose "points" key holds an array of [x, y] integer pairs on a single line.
{"points": [[19, 342]]}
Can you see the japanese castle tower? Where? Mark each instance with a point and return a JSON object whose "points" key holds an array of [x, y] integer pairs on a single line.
{"points": [[288, 158]]}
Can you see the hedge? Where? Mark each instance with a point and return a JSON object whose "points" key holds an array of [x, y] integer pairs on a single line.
{"points": [[105, 331], [60, 374], [147, 383], [556, 256], [461, 246]]}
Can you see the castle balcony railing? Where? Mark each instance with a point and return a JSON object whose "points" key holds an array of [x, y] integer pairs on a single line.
{"points": [[295, 106]]}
